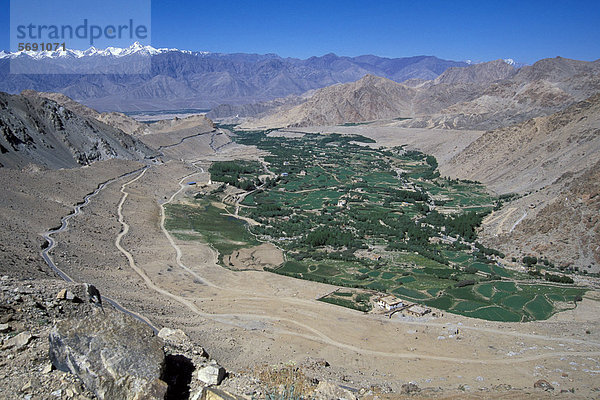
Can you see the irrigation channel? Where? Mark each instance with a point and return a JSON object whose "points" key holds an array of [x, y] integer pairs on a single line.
{"points": [[51, 243]]}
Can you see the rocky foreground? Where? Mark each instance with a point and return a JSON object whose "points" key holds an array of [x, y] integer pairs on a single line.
{"points": [[60, 340]]}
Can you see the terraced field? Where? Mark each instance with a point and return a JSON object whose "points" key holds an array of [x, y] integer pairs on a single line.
{"points": [[373, 219]]}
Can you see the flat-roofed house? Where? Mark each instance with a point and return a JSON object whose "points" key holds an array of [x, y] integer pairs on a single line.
{"points": [[389, 303]]}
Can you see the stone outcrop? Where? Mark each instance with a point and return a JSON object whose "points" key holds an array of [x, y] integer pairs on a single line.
{"points": [[211, 374], [19, 341], [116, 356]]}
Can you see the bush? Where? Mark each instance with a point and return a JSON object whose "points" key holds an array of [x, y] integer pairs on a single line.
{"points": [[529, 261]]}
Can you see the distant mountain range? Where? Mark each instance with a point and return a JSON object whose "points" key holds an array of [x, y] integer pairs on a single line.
{"points": [[185, 79], [481, 96]]}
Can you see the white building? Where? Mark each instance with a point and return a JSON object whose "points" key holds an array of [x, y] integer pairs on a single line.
{"points": [[389, 303]]}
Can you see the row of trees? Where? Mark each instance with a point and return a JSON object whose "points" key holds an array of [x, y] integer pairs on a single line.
{"points": [[325, 236], [231, 172]]}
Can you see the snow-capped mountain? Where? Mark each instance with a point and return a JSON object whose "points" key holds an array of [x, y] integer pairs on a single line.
{"points": [[142, 77], [116, 52], [509, 61], [514, 63]]}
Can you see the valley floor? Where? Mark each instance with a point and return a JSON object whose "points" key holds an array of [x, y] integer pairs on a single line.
{"points": [[251, 318]]}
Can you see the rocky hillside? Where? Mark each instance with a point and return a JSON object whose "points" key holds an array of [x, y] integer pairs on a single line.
{"points": [[64, 340], [481, 96], [233, 114], [543, 88], [483, 73], [115, 119], [37, 130], [367, 99], [552, 163], [533, 154], [567, 228]]}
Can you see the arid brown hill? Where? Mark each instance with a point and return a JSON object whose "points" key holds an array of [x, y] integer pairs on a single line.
{"points": [[482, 96], [114, 119], [553, 162], [367, 99]]}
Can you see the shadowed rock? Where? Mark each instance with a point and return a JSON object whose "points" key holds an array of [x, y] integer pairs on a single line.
{"points": [[116, 356]]}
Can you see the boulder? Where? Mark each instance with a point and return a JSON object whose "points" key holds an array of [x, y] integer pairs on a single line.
{"points": [[81, 292], [543, 384], [19, 341], [115, 355], [216, 394], [174, 336], [211, 374]]}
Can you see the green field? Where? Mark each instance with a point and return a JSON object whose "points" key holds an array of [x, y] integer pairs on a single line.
{"points": [[206, 222], [370, 219]]}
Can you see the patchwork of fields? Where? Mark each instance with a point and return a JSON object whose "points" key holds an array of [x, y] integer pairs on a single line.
{"points": [[378, 219]]}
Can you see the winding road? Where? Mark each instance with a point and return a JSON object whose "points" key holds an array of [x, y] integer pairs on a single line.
{"points": [[314, 334], [233, 319], [51, 244]]}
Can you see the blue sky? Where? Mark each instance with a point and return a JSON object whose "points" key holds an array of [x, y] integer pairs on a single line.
{"points": [[452, 29]]}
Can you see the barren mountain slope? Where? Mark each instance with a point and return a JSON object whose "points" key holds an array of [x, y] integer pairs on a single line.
{"points": [[182, 79], [37, 130], [553, 163], [533, 154], [483, 73], [482, 96], [560, 222], [178, 124], [230, 113], [114, 119], [568, 229], [367, 99], [541, 89], [33, 201]]}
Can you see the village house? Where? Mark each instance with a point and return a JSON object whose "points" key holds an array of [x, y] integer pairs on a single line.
{"points": [[417, 310], [389, 303]]}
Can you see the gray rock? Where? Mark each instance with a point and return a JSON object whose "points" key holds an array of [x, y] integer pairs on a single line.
{"points": [[116, 356], [543, 384], [214, 394], [65, 294], [409, 388], [175, 336], [211, 374], [47, 368], [327, 391], [19, 341], [4, 328], [81, 293]]}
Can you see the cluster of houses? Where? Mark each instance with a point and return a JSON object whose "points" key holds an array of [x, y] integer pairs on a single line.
{"points": [[392, 303]]}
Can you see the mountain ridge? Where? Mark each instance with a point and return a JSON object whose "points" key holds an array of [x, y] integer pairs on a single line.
{"points": [[478, 97], [185, 79], [35, 129]]}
